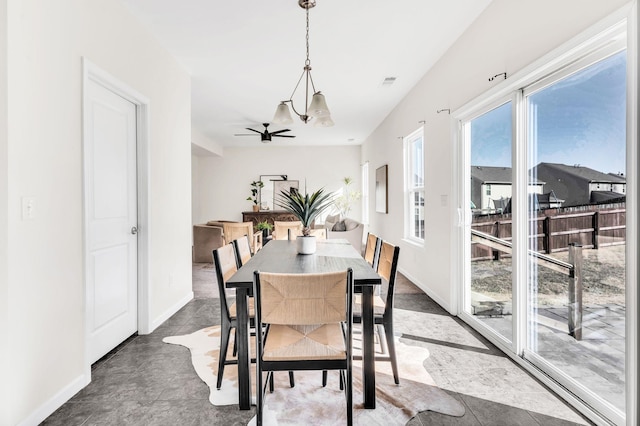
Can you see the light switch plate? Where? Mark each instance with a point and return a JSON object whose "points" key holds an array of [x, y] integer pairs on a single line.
{"points": [[28, 208]]}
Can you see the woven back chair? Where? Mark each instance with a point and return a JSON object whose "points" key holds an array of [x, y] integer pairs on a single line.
{"points": [[242, 250], [372, 250], [309, 327], [234, 230], [320, 234], [383, 308], [225, 263], [281, 229]]}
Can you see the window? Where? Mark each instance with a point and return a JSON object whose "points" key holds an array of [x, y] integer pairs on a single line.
{"points": [[414, 184], [365, 193]]}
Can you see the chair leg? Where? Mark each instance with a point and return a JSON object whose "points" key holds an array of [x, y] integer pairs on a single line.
{"points": [[388, 330], [292, 381], [324, 378], [235, 345], [259, 395], [224, 343], [349, 390], [270, 378], [381, 338], [341, 381]]}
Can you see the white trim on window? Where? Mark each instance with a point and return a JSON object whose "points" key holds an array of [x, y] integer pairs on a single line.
{"points": [[414, 194]]}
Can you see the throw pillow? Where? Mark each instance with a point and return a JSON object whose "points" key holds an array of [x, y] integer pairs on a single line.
{"points": [[350, 224], [333, 219], [339, 226], [330, 221]]}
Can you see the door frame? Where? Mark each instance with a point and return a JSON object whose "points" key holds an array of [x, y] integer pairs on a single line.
{"points": [[568, 52], [91, 73]]}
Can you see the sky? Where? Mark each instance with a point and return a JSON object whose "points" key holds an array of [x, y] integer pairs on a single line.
{"points": [[580, 120]]}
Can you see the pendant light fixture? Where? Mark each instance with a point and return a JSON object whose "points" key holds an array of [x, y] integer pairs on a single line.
{"points": [[318, 107]]}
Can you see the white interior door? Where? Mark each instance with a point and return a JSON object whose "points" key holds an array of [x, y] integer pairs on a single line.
{"points": [[111, 219]]}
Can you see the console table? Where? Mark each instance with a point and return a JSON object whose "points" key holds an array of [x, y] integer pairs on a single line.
{"points": [[269, 215]]}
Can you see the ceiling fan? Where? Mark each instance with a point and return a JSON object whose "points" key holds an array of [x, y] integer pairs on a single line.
{"points": [[266, 135]]}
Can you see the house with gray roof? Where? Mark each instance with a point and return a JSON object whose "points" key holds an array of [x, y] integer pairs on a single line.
{"points": [[578, 185], [491, 188]]}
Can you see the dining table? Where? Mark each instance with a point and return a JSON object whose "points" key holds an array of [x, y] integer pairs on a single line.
{"points": [[281, 256]]}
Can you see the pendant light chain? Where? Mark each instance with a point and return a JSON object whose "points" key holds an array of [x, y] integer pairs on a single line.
{"points": [[308, 61]]}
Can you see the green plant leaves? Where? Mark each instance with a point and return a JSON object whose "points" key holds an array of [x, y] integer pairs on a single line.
{"points": [[305, 207]]}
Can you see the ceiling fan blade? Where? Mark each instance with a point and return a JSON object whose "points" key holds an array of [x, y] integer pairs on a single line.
{"points": [[253, 130], [282, 136], [280, 131], [243, 134]]}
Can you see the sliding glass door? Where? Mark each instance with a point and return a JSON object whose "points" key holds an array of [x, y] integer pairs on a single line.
{"points": [[490, 174], [543, 196], [576, 154]]}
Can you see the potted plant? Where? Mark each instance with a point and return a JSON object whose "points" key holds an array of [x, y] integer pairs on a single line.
{"points": [[305, 208], [265, 227], [256, 185]]}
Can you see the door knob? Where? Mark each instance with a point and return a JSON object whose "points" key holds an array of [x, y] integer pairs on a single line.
{"points": [[134, 230]]}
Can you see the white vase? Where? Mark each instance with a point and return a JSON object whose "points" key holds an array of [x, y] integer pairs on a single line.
{"points": [[306, 245]]}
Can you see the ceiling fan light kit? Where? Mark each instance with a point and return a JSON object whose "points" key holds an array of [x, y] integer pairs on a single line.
{"points": [[265, 137], [318, 107]]}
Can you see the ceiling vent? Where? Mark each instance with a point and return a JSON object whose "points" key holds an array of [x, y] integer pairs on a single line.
{"points": [[388, 81]]}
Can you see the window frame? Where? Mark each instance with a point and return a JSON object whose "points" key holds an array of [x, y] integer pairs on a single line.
{"points": [[411, 213]]}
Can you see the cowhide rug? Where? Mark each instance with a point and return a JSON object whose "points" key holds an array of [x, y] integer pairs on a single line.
{"points": [[309, 403]]}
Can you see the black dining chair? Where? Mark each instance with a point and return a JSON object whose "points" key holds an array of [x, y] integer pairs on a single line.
{"points": [[227, 261], [383, 308], [292, 310]]}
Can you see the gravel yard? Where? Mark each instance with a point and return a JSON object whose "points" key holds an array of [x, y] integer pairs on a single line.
{"points": [[603, 278]]}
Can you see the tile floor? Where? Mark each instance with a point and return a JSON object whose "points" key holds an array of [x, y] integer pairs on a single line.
{"points": [[147, 382]]}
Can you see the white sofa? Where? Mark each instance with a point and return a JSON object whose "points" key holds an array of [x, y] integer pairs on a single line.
{"points": [[353, 231]]}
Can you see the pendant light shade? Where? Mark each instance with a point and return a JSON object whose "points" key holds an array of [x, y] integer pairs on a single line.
{"points": [[283, 114], [325, 121], [318, 107]]}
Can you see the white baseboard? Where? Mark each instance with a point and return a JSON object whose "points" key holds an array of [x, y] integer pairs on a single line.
{"points": [[169, 312], [428, 291], [49, 407]]}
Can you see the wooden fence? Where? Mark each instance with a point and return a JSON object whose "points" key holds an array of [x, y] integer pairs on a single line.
{"points": [[555, 229]]}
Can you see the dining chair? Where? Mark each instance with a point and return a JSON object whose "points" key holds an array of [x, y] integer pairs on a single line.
{"points": [[383, 308], [234, 230], [225, 263], [320, 234], [308, 320], [281, 229], [372, 250], [242, 250]]}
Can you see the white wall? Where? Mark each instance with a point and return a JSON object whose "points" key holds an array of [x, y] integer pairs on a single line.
{"points": [[223, 182], [46, 43], [4, 244], [507, 36], [195, 189]]}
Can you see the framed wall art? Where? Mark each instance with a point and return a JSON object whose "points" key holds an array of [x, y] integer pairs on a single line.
{"points": [[382, 203]]}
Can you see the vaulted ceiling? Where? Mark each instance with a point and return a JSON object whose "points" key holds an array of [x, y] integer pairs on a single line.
{"points": [[246, 56]]}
